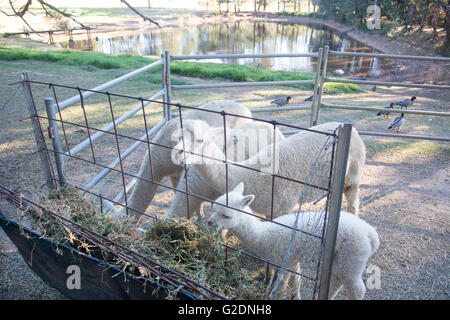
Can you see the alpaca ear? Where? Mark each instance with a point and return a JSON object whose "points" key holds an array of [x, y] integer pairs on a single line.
{"points": [[247, 200], [239, 188]]}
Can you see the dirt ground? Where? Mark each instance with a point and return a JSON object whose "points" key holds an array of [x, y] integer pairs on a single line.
{"points": [[405, 188]]}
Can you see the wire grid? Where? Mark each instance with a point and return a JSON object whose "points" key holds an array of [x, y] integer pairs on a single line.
{"points": [[304, 249], [316, 185]]}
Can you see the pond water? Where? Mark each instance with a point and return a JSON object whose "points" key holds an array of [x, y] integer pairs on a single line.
{"points": [[247, 37]]}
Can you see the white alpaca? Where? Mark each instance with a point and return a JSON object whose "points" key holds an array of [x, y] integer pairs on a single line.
{"points": [[294, 158], [144, 191], [356, 242], [242, 142]]}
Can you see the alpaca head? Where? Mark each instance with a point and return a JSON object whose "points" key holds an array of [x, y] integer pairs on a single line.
{"points": [[228, 218], [191, 142]]}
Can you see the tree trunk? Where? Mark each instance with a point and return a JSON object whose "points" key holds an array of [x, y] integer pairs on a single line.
{"points": [[446, 7], [434, 20]]}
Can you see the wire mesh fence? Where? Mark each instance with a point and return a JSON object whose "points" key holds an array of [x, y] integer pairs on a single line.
{"points": [[107, 154]]}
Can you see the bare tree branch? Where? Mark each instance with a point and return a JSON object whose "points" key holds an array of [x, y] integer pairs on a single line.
{"points": [[24, 8], [21, 12], [47, 12], [446, 6], [43, 3], [140, 14]]}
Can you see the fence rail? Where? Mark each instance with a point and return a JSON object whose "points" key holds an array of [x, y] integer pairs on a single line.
{"points": [[241, 84], [250, 55], [390, 56], [77, 98], [387, 83], [418, 112]]}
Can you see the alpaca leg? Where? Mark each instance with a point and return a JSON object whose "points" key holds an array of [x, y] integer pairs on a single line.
{"points": [[196, 186], [295, 283], [350, 266], [352, 196], [354, 288], [174, 180], [280, 285]]}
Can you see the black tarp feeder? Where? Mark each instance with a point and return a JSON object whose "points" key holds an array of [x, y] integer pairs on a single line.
{"points": [[98, 280]]}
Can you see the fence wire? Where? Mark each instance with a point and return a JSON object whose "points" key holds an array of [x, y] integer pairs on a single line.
{"points": [[305, 245]]}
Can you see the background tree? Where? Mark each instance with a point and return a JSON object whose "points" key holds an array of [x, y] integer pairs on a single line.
{"points": [[407, 13]]}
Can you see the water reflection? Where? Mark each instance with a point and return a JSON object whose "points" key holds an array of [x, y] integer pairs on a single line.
{"points": [[247, 37]]}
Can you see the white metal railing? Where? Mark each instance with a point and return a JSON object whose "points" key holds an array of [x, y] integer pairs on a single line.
{"points": [[387, 83], [245, 55], [324, 79], [389, 56], [71, 101], [110, 126], [53, 108]]}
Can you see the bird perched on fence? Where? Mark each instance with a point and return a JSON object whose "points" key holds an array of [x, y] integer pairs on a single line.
{"points": [[397, 123], [310, 98], [387, 113], [281, 101], [405, 103]]}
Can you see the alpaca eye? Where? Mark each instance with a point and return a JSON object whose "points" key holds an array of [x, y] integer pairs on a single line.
{"points": [[225, 216]]}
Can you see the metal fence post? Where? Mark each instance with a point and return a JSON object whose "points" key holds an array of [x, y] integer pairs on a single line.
{"points": [[166, 84], [56, 141], [337, 187], [316, 87], [322, 83], [163, 84], [37, 130]]}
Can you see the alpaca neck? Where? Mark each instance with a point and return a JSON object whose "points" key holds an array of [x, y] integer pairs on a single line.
{"points": [[212, 168], [144, 191], [250, 230]]}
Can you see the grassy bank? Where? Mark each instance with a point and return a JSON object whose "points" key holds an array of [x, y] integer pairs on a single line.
{"points": [[231, 72]]}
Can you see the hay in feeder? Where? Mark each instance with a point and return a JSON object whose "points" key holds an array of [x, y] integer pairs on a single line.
{"points": [[188, 247]]}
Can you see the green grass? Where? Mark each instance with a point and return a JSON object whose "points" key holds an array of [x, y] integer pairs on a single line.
{"points": [[69, 57], [231, 72], [411, 148]]}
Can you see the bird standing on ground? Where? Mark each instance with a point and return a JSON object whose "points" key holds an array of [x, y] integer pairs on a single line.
{"points": [[387, 113], [281, 101], [310, 98], [405, 103], [397, 123]]}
